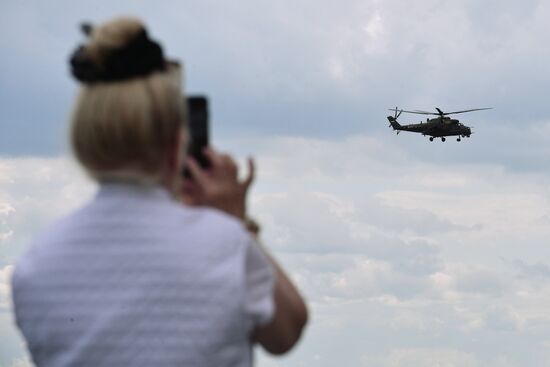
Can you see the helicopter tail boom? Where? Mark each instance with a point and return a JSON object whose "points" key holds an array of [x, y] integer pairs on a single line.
{"points": [[393, 123]]}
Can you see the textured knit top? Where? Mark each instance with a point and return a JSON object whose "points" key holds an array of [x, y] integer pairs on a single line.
{"points": [[136, 279]]}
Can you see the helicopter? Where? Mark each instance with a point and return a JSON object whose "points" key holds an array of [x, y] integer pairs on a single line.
{"points": [[437, 127]]}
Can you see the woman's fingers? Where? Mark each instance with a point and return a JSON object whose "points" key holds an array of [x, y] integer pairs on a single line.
{"points": [[229, 166], [219, 186], [223, 168], [199, 175], [214, 158], [221, 163]]}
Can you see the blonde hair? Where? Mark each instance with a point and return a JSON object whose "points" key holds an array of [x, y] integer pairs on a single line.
{"points": [[128, 128]]}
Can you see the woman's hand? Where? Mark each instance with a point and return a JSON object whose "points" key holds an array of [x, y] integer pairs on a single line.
{"points": [[218, 186]]}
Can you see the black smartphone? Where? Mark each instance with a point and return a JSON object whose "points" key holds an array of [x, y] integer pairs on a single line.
{"points": [[197, 112]]}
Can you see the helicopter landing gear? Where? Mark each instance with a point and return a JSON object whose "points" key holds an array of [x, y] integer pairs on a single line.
{"points": [[442, 139], [431, 138]]}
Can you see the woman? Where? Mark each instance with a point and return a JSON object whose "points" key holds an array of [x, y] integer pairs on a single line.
{"points": [[134, 277]]}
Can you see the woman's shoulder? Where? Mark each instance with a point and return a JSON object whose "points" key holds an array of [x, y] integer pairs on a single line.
{"points": [[50, 231], [42, 245]]}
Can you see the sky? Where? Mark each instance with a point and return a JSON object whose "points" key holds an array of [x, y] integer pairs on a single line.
{"points": [[409, 252]]}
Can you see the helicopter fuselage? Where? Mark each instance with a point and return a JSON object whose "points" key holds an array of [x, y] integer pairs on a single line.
{"points": [[438, 127]]}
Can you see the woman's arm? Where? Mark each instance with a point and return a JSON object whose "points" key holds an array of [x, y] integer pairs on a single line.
{"points": [[291, 315], [220, 188]]}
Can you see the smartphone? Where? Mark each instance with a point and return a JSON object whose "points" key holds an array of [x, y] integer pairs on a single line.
{"points": [[197, 112]]}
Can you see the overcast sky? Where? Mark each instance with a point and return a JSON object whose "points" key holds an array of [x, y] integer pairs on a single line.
{"points": [[410, 252]]}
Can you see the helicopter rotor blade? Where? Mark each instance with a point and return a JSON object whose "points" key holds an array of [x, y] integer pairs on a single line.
{"points": [[416, 112], [439, 113], [473, 109]]}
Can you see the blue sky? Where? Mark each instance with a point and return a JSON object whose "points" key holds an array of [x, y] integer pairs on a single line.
{"points": [[410, 253]]}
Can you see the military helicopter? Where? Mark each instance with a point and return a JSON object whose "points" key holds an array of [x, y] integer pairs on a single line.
{"points": [[437, 127]]}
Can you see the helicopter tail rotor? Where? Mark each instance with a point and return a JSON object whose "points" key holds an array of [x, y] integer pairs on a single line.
{"points": [[393, 123], [398, 113]]}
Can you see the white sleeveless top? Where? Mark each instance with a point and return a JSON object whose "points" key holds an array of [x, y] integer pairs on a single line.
{"points": [[136, 279]]}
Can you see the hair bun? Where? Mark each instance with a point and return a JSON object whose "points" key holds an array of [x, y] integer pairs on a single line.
{"points": [[108, 60]]}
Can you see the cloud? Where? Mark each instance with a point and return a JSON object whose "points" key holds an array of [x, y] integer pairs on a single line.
{"points": [[397, 249], [409, 252], [536, 270], [21, 362], [33, 193], [308, 69], [475, 280], [419, 357], [503, 318], [317, 223], [5, 288]]}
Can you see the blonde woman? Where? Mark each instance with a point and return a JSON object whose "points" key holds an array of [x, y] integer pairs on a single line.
{"points": [[135, 277]]}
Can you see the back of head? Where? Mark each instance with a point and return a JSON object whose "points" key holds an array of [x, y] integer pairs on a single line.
{"points": [[130, 111]]}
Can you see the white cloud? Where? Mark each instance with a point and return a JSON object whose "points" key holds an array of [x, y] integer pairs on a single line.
{"points": [[392, 239], [504, 318], [372, 242], [33, 193], [421, 242], [536, 270], [5, 288], [421, 357], [21, 362]]}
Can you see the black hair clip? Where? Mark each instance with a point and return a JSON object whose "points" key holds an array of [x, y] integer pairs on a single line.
{"points": [[86, 28], [140, 57]]}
